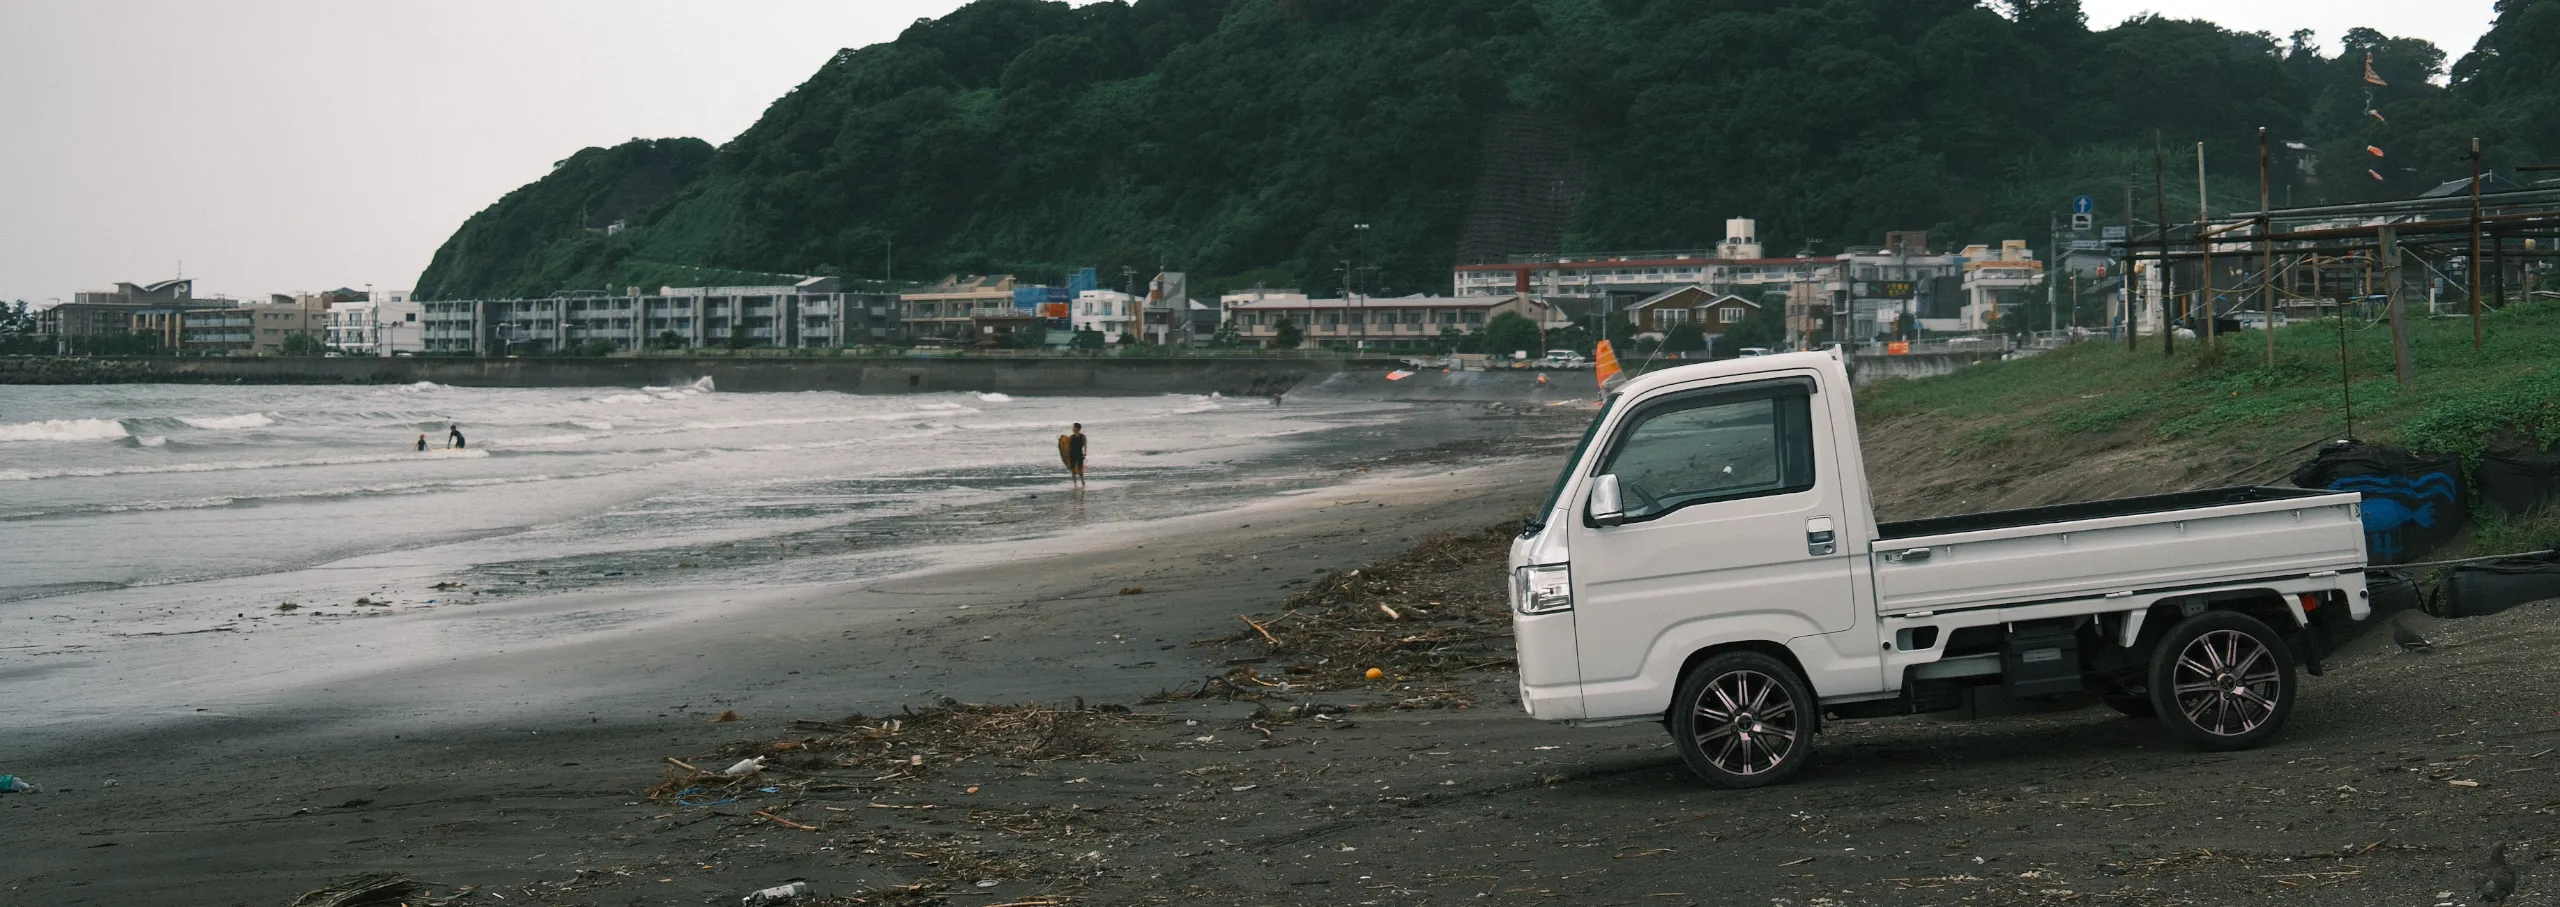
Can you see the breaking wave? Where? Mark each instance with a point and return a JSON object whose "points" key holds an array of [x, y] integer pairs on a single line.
{"points": [[63, 430], [229, 423]]}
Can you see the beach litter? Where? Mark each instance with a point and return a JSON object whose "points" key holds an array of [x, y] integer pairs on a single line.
{"points": [[775, 895], [12, 784], [745, 767], [361, 890]]}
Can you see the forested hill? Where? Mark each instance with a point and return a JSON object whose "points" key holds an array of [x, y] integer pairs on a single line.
{"points": [[1242, 140]]}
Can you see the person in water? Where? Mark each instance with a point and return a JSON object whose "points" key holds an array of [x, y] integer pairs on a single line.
{"points": [[422, 441], [453, 438], [1074, 451]]}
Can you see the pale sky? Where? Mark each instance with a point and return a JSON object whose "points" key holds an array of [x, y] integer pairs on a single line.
{"points": [[281, 146]]}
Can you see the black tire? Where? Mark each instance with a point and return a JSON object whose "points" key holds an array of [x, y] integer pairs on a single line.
{"points": [[2132, 706], [1743, 719], [2237, 679]]}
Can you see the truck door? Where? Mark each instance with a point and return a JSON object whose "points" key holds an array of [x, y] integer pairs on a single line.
{"points": [[1730, 514]]}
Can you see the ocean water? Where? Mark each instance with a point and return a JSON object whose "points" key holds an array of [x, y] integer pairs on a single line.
{"points": [[142, 487]]}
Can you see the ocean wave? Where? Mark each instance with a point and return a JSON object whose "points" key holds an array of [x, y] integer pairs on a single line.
{"points": [[629, 398], [63, 430], [544, 440], [152, 441], [592, 424], [92, 472], [996, 397], [229, 423], [351, 491]]}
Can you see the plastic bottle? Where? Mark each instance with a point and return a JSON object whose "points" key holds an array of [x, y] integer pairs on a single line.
{"points": [[775, 895], [14, 784]]}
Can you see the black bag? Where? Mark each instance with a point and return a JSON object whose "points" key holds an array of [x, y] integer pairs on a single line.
{"points": [[2390, 592], [2494, 586], [2412, 502], [2518, 481]]}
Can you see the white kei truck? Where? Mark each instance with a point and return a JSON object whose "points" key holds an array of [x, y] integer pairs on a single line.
{"points": [[1710, 559]]}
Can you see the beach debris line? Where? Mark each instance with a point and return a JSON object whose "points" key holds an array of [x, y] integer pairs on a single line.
{"points": [[1440, 608]]}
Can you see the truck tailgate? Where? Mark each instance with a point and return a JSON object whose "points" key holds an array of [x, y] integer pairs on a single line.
{"points": [[2091, 558]]}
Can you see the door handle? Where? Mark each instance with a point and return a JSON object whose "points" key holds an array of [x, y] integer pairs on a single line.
{"points": [[1819, 540], [1907, 555]]}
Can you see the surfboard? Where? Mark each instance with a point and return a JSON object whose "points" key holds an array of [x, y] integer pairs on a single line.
{"points": [[1064, 459]]}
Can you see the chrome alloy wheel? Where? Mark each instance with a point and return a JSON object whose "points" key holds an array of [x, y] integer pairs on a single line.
{"points": [[2226, 683], [1746, 723]]}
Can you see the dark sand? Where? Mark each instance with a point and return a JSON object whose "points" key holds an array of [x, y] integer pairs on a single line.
{"points": [[443, 773]]}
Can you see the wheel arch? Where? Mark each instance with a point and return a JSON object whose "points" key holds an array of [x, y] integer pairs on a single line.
{"points": [[1769, 648]]}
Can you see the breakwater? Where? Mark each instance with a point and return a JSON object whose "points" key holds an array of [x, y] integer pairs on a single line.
{"points": [[863, 375]]}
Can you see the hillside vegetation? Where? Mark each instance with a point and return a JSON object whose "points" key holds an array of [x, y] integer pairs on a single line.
{"points": [[2094, 420], [1242, 140]]}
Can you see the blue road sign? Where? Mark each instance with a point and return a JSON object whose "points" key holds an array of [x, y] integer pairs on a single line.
{"points": [[2083, 205]]}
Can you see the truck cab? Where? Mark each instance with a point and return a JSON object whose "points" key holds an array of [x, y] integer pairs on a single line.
{"points": [[1710, 558]]}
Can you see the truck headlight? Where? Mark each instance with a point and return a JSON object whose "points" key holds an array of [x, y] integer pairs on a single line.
{"points": [[1543, 590]]}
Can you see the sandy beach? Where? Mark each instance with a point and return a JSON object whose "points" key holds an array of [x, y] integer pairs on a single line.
{"points": [[1087, 720]]}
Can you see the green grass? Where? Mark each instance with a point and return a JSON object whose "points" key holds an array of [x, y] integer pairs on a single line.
{"points": [[2461, 401]]}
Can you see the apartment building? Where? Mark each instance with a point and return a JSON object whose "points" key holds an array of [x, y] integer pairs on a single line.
{"points": [[811, 313], [1736, 265], [1376, 321]]}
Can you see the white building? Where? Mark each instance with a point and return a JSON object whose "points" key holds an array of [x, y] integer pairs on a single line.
{"points": [[1112, 312], [1996, 280], [1734, 266], [383, 324]]}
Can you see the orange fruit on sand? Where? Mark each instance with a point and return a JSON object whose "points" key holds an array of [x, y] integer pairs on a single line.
{"points": [[1375, 674]]}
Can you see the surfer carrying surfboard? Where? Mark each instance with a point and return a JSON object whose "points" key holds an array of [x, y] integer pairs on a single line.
{"points": [[1071, 451]]}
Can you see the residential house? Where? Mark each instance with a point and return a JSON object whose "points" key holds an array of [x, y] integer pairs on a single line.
{"points": [[1714, 313], [1113, 313], [943, 310]]}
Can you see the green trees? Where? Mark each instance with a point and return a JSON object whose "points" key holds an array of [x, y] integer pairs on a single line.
{"points": [[302, 343], [1242, 140], [1286, 336], [1684, 337], [1510, 332], [1765, 328]]}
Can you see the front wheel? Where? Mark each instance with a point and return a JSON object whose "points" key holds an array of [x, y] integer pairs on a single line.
{"points": [[1743, 719], [2222, 680]]}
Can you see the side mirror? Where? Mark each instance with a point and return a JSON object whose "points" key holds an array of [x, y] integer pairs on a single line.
{"points": [[1605, 509]]}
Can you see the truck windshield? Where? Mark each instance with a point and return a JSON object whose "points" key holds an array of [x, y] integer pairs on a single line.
{"points": [[1538, 521]]}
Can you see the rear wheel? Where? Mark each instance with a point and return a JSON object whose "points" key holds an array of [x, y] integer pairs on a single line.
{"points": [[2222, 680], [1743, 719]]}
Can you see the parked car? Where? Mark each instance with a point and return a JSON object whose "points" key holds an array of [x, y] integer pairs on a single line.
{"points": [[1563, 359], [1753, 351], [1711, 560]]}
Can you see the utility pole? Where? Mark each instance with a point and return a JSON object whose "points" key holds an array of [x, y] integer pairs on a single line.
{"points": [[2127, 277], [2266, 250], [2474, 266], [2400, 363], [2204, 222], [2160, 207]]}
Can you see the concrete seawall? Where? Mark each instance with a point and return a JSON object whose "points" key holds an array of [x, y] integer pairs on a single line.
{"points": [[881, 375]]}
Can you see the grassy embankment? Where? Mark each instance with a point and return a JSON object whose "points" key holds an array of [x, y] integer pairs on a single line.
{"points": [[2097, 421]]}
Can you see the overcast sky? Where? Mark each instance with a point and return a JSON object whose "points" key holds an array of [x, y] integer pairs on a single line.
{"points": [[279, 146]]}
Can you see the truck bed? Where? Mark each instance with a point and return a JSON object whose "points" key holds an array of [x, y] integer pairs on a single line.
{"points": [[2195, 539], [2091, 510]]}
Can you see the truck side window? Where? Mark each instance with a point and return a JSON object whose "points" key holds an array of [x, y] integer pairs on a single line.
{"points": [[1713, 449]]}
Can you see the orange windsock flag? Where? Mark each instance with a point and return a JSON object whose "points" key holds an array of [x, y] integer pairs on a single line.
{"points": [[1605, 363], [2374, 150], [2369, 75]]}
